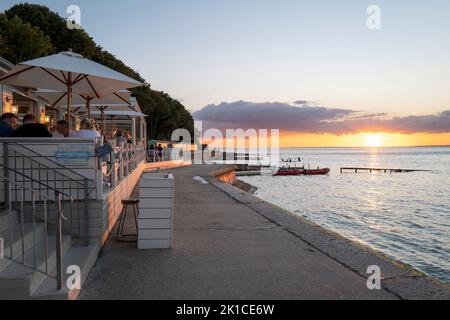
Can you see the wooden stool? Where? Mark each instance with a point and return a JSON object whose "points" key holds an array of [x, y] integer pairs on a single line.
{"points": [[134, 203]]}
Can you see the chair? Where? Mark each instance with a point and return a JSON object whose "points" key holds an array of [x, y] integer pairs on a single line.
{"points": [[134, 203]]}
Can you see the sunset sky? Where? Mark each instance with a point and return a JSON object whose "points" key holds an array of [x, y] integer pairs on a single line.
{"points": [[310, 68]]}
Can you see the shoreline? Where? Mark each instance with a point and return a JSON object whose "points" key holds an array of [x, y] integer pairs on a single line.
{"points": [[399, 278]]}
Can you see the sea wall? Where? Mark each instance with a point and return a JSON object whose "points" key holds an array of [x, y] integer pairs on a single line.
{"points": [[400, 279]]}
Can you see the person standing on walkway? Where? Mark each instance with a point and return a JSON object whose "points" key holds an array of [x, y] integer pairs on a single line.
{"points": [[31, 129], [104, 135], [120, 139], [127, 136], [8, 122]]}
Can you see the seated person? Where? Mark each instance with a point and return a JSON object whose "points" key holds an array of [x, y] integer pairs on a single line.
{"points": [[87, 130], [8, 122], [31, 129], [62, 130]]}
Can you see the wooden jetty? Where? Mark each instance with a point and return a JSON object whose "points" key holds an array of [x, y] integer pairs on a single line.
{"points": [[356, 169]]}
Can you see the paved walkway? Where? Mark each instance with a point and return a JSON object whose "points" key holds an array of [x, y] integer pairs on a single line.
{"points": [[223, 249]]}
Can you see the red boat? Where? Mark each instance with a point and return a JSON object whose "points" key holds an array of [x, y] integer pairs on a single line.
{"points": [[294, 167], [301, 172]]}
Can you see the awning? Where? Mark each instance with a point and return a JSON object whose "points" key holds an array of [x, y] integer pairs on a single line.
{"points": [[70, 73]]}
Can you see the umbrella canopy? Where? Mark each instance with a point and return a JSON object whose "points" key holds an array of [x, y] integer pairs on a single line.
{"points": [[119, 114], [130, 105], [56, 98], [70, 73], [81, 108]]}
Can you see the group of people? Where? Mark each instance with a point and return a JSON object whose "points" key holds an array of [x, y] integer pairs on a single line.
{"points": [[31, 128], [156, 152]]}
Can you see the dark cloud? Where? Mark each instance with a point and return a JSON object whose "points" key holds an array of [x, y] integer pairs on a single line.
{"points": [[301, 102], [368, 116], [312, 119]]}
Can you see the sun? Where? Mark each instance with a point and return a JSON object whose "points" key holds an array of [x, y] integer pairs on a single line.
{"points": [[374, 141]]}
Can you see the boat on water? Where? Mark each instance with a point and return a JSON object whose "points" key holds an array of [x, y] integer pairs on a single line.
{"points": [[301, 172], [294, 167]]}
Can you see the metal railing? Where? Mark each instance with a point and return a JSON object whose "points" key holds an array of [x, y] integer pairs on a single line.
{"points": [[44, 199], [121, 163], [167, 154], [45, 176], [29, 232]]}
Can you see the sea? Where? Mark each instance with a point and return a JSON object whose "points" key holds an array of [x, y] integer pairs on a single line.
{"points": [[405, 216]]}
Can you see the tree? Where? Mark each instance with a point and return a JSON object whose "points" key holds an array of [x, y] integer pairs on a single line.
{"points": [[164, 113], [22, 41], [55, 27]]}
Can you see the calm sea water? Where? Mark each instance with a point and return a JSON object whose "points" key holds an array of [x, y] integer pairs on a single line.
{"points": [[403, 215]]}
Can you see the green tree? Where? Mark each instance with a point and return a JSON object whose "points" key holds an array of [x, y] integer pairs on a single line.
{"points": [[55, 27], [22, 41], [164, 113]]}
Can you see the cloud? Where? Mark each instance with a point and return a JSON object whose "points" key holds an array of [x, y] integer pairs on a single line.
{"points": [[368, 116], [301, 102], [313, 119]]}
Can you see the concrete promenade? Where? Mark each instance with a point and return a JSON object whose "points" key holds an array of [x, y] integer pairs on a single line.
{"points": [[230, 245]]}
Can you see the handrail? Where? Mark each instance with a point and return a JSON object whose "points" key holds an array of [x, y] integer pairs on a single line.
{"points": [[17, 184], [35, 181], [59, 228], [57, 192], [52, 161]]}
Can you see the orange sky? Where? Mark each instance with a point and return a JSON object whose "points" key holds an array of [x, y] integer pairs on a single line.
{"points": [[364, 140], [354, 140]]}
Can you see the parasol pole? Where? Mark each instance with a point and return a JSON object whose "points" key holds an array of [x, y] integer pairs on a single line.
{"points": [[102, 109], [88, 106], [69, 97]]}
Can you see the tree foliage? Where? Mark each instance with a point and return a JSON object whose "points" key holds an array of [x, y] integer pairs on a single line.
{"points": [[164, 113], [21, 41]]}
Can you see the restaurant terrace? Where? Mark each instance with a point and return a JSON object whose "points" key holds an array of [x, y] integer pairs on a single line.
{"points": [[60, 197]]}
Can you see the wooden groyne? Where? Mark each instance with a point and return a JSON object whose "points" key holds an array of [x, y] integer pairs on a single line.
{"points": [[357, 169], [248, 173]]}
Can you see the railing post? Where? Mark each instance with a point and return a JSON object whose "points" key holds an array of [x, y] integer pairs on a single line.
{"points": [[127, 161], [6, 172], [59, 227], [113, 170], [121, 162], [10, 213], [86, 211], [99, 180]]}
